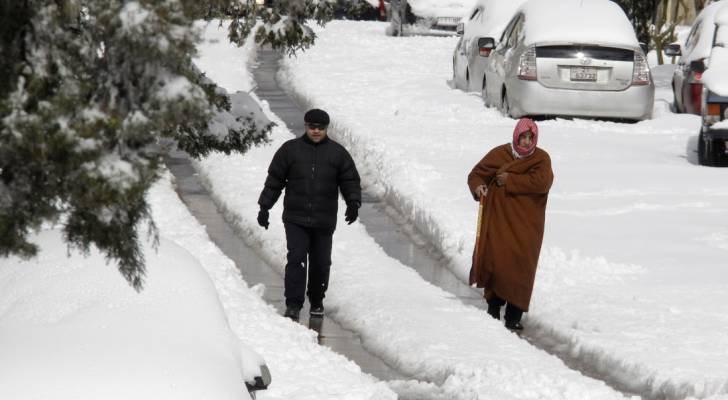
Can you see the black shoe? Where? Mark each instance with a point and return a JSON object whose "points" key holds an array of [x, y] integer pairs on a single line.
{"points": [[317, 311], [292, 313], [514, 326], [494, 311]]}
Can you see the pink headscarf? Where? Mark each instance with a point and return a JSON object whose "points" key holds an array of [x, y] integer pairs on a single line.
{"points": [[525, 125]]}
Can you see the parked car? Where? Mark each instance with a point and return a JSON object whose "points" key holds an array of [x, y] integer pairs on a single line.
{"points": [[485, 23], [360, 10], [713, 138], [687, 85], [570, 58], [426, 16]]}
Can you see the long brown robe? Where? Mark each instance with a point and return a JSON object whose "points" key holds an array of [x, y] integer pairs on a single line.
{"points": [[512, 227]]}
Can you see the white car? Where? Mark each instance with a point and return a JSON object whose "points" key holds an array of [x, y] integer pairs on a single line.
{"points": [[426, 16], [484, 24], [577, 58]]}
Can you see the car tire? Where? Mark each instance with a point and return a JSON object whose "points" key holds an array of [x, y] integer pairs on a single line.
{"points": [[675, 108], [702, 150], [467, 80]]}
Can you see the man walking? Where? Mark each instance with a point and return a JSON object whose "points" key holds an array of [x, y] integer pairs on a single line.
{"points": [[512, 181], [313, 169]]}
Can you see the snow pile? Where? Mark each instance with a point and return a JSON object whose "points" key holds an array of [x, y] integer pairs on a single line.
{"points": [[71, 328], [579, 21], [624, 243]]}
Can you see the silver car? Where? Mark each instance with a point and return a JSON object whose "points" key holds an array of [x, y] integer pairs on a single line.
{"points": [[570, 58], [485, 22]]}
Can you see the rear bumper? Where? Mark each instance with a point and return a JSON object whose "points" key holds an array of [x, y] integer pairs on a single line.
{"points": [[715, 133], [532, 98]]}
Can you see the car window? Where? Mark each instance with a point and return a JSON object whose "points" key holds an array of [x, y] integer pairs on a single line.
{"points": [[693, 37], [517, 33], [507, 32]]}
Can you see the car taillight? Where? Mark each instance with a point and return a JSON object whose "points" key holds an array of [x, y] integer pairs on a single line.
{"points": [[713, 109], [641, 74], [696, 96], [527, 65], [712, 114], [484, 51]]}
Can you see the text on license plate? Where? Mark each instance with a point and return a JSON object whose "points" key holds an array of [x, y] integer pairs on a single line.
{"points": [[584, 74]]}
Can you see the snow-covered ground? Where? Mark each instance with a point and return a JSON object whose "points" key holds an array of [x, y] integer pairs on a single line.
{"points": [[632, 279], [71, 328]]}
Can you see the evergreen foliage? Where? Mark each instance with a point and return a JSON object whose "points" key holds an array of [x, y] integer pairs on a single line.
{"points": [[642, 14], [89, 92]]}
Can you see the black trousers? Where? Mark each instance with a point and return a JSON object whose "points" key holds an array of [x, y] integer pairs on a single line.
{"points": [[308, 249]]}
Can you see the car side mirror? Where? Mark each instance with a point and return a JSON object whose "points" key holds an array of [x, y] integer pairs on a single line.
{"points": [[486, 46], [460, 30], [673, 50]]}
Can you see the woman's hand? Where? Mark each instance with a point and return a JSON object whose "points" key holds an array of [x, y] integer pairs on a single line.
{"points": [[501, 178], [481, 191]]}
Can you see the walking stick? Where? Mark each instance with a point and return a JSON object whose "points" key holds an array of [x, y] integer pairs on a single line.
{"points": [[476, 261]]}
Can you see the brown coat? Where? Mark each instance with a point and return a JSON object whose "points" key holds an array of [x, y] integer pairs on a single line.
{"points": [[513, 223]]}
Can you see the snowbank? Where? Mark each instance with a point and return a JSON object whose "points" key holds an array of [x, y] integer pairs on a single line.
{"points": [[624, 242], [578, 21]]}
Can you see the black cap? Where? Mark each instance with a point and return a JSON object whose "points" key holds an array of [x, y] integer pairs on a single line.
{"points": [[316, 116]]}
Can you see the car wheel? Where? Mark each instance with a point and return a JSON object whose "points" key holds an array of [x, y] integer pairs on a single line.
{"points": [[505, 105], [701, 149], [717, 156]]}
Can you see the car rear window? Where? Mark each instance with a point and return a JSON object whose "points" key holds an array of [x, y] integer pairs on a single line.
{"points": [[594, 52]]}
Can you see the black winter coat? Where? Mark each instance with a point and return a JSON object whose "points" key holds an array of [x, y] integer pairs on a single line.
{"points": [[312, 174]]}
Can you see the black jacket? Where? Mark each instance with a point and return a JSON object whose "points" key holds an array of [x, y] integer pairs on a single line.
{"points": [[312, 174]]}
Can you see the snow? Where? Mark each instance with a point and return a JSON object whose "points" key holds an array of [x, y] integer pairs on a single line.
{"points": [[497, 14], [133, 16], [580, 21], [706, 19], [628, 285], [715, 77], [440, 8], [71, 328], [464, 355]]}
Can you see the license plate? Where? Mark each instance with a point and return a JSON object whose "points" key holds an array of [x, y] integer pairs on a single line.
{"points": [[584, 74], [448, 20]]}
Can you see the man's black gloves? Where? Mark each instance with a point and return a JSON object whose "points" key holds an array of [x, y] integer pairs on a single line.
{"points": [[263, 218], [352, 212]]}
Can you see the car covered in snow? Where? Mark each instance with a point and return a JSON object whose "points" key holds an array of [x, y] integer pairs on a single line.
{"points": [[687, 84], [713, 139], [578, 58], [426, 16], [484, 24]]}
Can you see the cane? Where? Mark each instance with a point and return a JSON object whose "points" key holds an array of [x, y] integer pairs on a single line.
{"points": [[477, 230]]}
